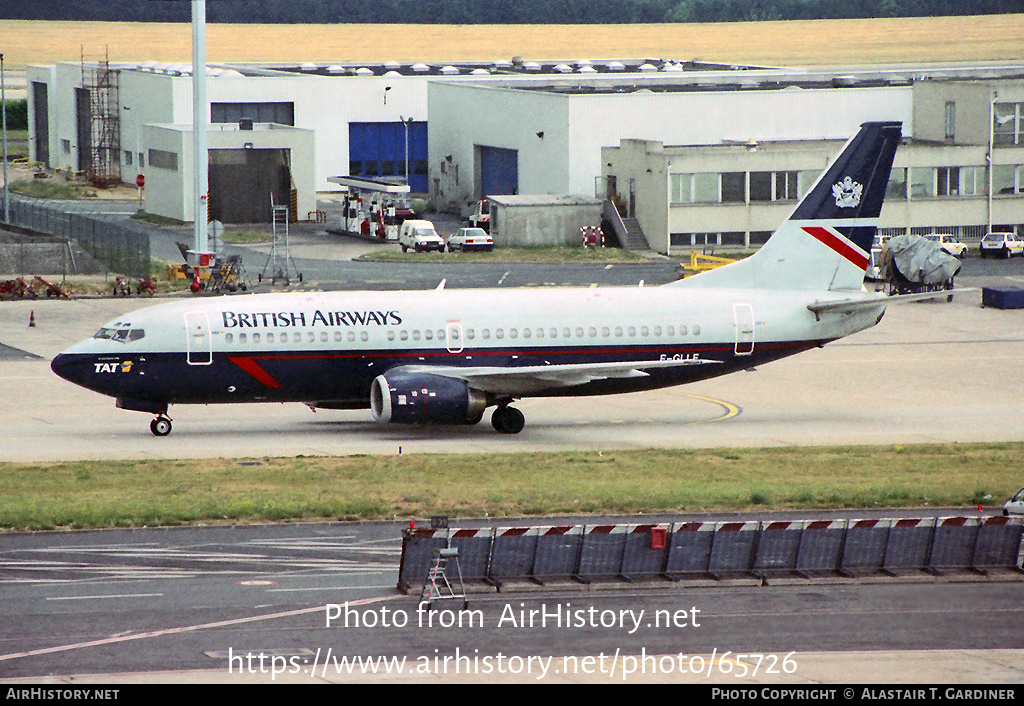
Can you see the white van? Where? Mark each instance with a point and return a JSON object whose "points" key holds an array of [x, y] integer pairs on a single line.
{"points": [[1015, 505], [420, 236]]}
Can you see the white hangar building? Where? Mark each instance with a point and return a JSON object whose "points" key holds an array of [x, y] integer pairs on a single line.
{"points": [[458, 132], [367, 120]]}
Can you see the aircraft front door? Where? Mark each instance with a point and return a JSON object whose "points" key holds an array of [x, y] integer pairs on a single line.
{"points": [[743, 316], [198, 341]]}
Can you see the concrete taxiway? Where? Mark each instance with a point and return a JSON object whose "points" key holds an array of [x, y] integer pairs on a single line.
{"points": [[933, 371], [929, 372]]}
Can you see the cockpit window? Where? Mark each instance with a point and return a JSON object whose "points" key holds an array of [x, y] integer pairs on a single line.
{"points": [[121, 335]]}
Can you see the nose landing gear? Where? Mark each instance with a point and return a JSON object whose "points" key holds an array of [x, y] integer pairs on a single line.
{"points": [[161, 426]]}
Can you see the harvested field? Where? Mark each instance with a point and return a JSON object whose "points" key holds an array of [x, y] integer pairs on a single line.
{"points": [[796, 43]]}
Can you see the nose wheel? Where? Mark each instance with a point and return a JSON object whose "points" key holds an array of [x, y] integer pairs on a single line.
{"points": [[507, 420], [161, 426]]}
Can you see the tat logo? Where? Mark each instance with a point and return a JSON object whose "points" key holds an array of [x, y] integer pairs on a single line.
{"points": [[847, 193], [125, 367]]}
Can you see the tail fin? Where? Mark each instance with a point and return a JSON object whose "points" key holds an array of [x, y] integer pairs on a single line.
{"points": [[826, 243]]}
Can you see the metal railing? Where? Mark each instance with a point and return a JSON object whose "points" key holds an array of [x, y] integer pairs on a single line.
{"points": [[121, 245]]}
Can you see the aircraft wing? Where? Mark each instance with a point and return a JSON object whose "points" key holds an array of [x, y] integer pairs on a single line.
{"points": [[534, 378]]}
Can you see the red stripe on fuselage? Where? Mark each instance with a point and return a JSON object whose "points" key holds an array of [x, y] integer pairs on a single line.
{"points": [[253, 368], [827, 237]]}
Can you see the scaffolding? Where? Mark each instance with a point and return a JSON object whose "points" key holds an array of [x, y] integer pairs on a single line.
{"points": [[101, 83]]}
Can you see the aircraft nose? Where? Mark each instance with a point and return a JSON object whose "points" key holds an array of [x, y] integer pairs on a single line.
{"points": [[70, 367]]}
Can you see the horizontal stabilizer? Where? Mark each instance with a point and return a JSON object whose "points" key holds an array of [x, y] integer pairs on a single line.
{"points": [[848, 306]]}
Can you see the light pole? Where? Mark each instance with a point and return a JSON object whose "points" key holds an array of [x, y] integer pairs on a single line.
{"points": [[988, 157], [200, 120], [406, 123], [3, 102], [138, 152]]}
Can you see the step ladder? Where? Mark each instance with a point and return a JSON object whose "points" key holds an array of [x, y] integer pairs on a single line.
{"points": [[437, 586], [279, 261]]}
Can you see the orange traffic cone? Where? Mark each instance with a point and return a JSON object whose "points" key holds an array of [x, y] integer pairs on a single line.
{"points": [[32, 319]]}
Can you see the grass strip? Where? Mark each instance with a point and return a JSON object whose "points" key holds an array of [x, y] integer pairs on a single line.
{"points": [[93, 494]]}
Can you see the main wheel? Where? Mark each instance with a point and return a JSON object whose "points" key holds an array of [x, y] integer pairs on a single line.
{"points": [[161, 426], [507, 420]]}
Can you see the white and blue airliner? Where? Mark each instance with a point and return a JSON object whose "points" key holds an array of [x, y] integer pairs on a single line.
{"points": [[446, 356]]}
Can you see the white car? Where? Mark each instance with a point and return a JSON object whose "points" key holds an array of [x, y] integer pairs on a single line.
{"points": [[470, 239], [1002, 244], [420, 236], [1015, 505], [946, 242]]}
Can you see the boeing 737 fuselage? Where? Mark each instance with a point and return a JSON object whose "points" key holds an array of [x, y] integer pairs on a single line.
{"points": [[444, 356]]}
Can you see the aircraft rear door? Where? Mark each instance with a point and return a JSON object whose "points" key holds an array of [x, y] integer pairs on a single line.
{"points": [[198, 341], [743, 315]]}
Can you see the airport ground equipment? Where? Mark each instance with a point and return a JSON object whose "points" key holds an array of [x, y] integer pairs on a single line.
{"points": [[279, 260], [911, 264], [700, 262], [1003, 297], [52, 290], [18, 287], [686, 550], [437, 585]]}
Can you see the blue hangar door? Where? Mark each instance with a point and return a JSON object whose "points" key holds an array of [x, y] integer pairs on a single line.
{"points": [[499, 171], [381, 151]]}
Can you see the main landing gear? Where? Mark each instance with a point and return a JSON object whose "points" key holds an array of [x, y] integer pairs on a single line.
{"points": [[161, 426], [507, 420]]}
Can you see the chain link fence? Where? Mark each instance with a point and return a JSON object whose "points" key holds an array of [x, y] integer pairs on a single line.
{"points": [[118, 244]]}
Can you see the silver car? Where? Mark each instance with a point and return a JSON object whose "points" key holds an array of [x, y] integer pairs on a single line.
{"points": [[470, 239]]}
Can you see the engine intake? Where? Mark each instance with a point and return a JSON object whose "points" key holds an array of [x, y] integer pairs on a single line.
{"points": [[402, 398]]}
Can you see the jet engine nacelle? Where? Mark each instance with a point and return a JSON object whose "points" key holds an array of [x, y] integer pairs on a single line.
{"points": [[403, 398]]}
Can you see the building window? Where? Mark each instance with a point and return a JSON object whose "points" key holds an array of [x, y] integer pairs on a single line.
{"points": [[731, 187], [950, 121], [947, 181], [1005, 179], [162, 159], [705, 188], [734, 187], [694, 188], [1006, 119], [972, 181], [786, 186], [922, 183], [807, 180], [897, 188], [280, 113], [680, 188], [761, 186]]}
